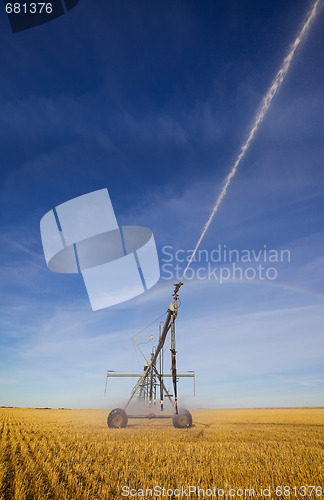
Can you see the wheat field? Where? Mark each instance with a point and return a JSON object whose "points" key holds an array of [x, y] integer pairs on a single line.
{"points": [[72, 454]]}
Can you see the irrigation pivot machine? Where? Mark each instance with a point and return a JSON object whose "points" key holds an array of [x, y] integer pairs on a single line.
{"points": [[150, 383]]}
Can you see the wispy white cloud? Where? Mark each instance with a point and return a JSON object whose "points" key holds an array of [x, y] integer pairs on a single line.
{"points": [[303, 381]]}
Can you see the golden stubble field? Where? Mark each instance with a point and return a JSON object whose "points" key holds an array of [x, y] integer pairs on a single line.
{"points": [[71, 454]]}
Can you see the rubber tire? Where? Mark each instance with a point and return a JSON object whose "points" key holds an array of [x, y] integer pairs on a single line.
{"points": [[183, 420], [117, 419]]}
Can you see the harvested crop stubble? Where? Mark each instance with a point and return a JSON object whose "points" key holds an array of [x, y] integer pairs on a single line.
{"points": [[72, 454]]}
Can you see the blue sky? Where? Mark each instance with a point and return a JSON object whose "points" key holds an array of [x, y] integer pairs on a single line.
{"points": [[153, 101]]}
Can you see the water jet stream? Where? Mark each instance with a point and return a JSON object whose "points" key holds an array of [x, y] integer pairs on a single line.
{"points": [[265, 105]]}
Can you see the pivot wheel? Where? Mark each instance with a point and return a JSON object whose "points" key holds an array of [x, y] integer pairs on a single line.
{"points": [[117, 419], [183, 420]]}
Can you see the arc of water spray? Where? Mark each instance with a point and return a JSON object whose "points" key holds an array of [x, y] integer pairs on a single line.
{"points": [[265, 105]]}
